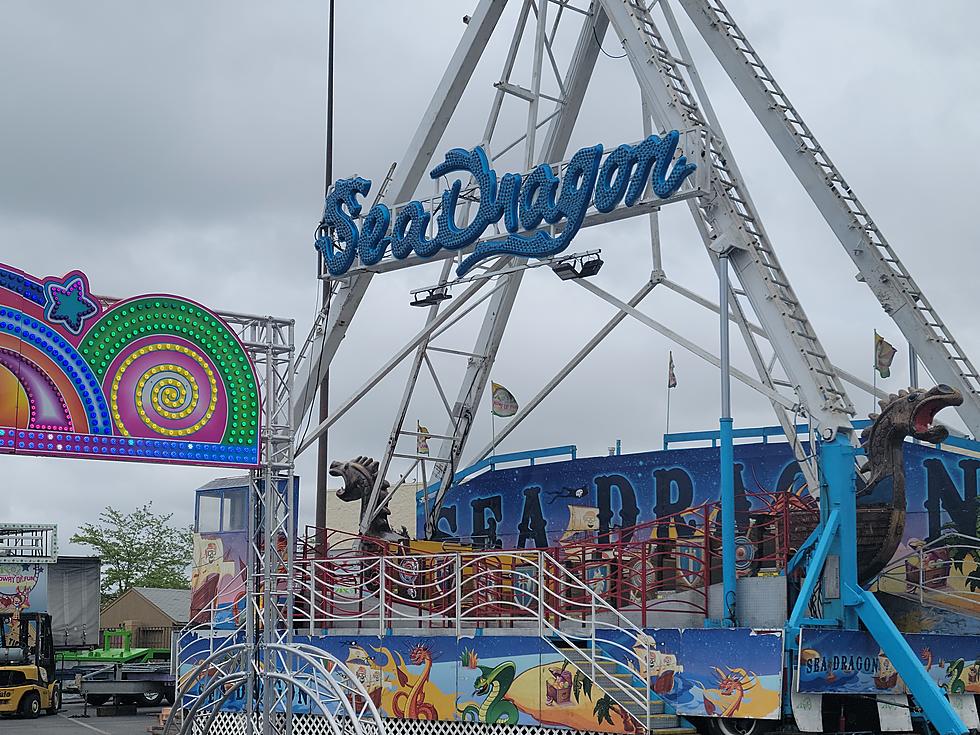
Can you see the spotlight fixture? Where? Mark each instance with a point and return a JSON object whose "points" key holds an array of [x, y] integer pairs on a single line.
{"points": [[431, 297], [565, 270], [577, 267], [590, 267]]}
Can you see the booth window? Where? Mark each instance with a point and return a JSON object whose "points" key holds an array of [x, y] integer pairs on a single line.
{"points": [[209, 512], [221, 511], [233, 510]]}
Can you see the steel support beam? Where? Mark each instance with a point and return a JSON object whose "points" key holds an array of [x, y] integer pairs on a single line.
{"points": [[759, 331], [879, 266], [563, 373], [687, 344], [407, 177], [495, 321], [400, 355], [734, 224]]}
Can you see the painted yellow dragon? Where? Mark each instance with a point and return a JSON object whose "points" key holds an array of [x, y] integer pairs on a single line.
{"points": [[736, 682], [411, 704]]}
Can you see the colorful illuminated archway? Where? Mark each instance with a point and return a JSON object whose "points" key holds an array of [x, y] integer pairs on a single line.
{"points": [[152, 378]]}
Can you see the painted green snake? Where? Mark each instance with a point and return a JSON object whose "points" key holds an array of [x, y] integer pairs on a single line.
{"points": [[493, 683]]}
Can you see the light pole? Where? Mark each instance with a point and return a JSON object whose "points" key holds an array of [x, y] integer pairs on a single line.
{"points": [[323, 466]]}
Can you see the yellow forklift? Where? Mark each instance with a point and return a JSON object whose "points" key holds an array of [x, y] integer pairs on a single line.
{"points": [[27, 681]]}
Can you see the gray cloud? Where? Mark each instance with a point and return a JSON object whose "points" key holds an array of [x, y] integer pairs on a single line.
{"points": [[179, 147]]}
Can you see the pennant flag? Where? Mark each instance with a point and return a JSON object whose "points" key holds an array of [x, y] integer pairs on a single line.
{"points": [[503, 402], [671, 378], [884, 354], [422, 439]]}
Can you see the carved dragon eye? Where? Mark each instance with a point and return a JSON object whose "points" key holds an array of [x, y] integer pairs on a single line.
{"points": [[913, 397]]}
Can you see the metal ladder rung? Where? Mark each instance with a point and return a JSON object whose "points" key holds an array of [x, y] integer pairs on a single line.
{"points": [[794, 317]]}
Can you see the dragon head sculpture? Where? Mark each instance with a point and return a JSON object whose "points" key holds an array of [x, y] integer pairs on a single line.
{"points": [[881, 500], [909, 413], [359, 475]]}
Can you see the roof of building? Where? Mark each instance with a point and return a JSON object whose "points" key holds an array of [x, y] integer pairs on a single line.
{"points": [[175, 604], [226, 482]]}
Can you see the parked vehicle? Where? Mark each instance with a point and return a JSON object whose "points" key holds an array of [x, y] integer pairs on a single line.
{"points": [[27, 677]]}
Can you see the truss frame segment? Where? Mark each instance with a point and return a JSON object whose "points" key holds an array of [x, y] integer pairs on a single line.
{"points": [[733, 223], [878, 264]]}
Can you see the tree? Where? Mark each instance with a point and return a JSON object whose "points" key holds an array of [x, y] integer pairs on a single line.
{"points": [[138, 549]]}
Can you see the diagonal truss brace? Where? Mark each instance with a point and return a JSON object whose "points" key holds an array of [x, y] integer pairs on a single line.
{"points": [[495, 321], [733, 223], [408, 175], [879, 266]]}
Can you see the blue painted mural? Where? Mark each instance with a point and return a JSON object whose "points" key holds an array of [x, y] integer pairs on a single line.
{"points": [[839, 662], [523, 680], [735, 672], [541, 505]]}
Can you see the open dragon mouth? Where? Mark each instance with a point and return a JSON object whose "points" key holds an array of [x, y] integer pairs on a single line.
{"points": [[337, 470], [481, 690], [934, 401]]}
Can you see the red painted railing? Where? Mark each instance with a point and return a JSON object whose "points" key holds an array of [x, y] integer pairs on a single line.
{"points": [[661, 567]]}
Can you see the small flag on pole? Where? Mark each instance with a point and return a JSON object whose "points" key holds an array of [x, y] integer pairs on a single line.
{"points": [[423, 439], [671, 378], [503, 402], [884, 354]]}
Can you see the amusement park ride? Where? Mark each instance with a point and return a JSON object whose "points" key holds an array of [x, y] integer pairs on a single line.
{"points": [[486, 230]]}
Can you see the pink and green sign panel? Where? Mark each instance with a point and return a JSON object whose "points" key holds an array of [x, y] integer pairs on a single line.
{"points": [[153, 378]]}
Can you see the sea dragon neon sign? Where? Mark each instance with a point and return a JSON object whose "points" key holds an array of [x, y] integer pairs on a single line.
{"points": [[524, 201]]}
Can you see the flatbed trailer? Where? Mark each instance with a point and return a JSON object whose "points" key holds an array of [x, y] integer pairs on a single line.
{"points": [[142, 676]]}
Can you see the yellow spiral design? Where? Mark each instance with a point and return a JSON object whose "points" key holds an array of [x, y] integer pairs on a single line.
{"points": [[169, 393]]}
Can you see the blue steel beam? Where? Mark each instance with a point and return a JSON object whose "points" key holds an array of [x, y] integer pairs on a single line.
{"points": [[813, 570], [800, 555], [839, 504], [925, 691]]}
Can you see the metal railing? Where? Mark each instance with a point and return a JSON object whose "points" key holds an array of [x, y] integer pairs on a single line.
{"points": [[464, 591], [662, 566], [139, 637], [944, 571], [28, 543], [202, 626]]}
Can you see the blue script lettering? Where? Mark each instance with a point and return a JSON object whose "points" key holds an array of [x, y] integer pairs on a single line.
{"points": [[524, 202]]}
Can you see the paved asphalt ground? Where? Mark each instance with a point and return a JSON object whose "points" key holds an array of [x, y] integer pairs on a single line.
{"points": [[64, 724]]}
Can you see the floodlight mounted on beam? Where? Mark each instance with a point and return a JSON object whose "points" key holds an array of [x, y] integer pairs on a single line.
{"points": [[577, 265], [431, 296]]}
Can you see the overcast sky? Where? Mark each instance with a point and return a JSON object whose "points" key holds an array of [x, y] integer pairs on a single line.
{"points": [[178, 147]]}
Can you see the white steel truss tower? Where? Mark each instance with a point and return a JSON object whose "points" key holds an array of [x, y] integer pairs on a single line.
{"points": [[792, 368]]}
